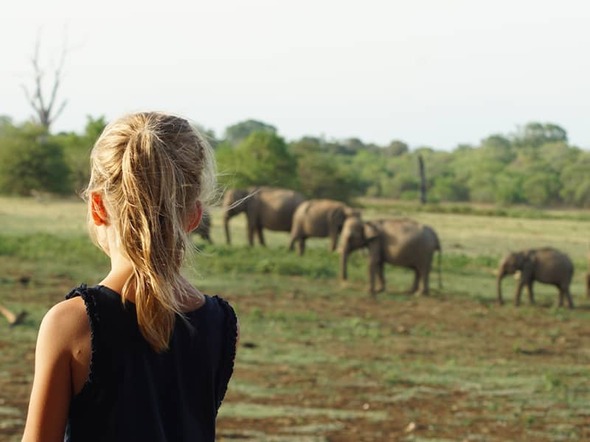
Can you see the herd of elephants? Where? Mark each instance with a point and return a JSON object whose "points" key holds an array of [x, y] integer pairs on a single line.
{"points": [[401, 242]]}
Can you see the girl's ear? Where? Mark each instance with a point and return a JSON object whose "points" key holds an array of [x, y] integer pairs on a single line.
{"points": [[98, 210], [195, 217]]}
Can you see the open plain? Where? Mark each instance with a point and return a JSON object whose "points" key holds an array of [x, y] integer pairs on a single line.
{"points": [[319, 359]]}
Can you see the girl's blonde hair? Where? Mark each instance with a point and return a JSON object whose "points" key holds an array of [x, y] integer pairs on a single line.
{"points": [[151, 170]]}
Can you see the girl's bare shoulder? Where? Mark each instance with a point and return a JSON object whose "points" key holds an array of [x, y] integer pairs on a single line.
{"points": [[66, 320]]}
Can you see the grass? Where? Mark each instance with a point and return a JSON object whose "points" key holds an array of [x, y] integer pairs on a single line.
{"points": [[319, 355]]}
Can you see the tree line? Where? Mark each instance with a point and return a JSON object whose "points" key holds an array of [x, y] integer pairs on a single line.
{"points": [[535, 165]]}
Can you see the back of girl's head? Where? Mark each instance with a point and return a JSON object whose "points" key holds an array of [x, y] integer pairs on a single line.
{"points": [[152, 169]]}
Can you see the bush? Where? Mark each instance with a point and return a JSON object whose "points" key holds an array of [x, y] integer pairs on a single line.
{"points": [[28, 162]]}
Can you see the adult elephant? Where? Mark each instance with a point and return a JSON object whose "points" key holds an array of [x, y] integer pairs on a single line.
{"points": [[319, 218], [546, 265], [399, 241], [265, 208]]}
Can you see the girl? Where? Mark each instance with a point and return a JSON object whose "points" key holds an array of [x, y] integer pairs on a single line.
{"points": [[144, 355]]}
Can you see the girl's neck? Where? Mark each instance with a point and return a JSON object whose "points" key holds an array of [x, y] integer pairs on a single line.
{"points": [[117, 277], [190, 297]]}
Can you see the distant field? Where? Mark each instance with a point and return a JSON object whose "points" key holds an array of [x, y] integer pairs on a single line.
{"points": [[322, 361]]}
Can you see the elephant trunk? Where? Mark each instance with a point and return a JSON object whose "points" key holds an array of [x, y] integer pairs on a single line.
{"points": [[343, 263], [226, 226], [501, 275]]}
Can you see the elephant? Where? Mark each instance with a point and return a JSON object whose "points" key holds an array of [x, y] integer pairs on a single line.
{"points": [[319, 218], [265, 208], [204, 227], [546, 265], [401, 242]]}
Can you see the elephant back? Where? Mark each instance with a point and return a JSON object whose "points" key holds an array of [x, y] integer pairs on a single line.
{"points": [[318, 217], [552, 265], [275, 207], [407, 242]]}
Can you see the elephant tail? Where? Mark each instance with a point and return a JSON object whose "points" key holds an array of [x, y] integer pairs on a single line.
{"points": [[439, 265]]}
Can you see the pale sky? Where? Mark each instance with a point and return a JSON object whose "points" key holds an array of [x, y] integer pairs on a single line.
{"points": [[428, 72]]}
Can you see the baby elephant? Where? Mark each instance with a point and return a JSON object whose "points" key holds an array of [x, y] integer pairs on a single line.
{"points": [[546, 265]]}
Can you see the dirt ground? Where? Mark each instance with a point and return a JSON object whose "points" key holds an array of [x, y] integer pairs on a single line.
{"points": [[356, 402], [353, 369]]}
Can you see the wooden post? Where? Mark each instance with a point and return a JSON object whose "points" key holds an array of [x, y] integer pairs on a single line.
{"points": [[422, 179]]}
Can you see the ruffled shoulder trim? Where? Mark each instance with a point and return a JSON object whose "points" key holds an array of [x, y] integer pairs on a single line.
{"points": [[229, 347], [92, 311]]}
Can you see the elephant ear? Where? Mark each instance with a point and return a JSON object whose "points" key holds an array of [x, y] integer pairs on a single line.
{"points": [[371, 231], [531, 256], [349, 212], [336, 215]]}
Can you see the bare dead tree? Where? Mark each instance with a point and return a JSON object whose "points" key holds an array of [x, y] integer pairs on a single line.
{"points": [[45, 107]]}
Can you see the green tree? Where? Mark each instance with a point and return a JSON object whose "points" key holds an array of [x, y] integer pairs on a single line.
{"points": [[535, 134], [29, 161], [396, 148], [238, 132], [372, 172], [261, 159], [76, 149], [322, 175], [575, 182], [507, 188], [448, 188], [306, 145], [541, 188], [6, 125]]}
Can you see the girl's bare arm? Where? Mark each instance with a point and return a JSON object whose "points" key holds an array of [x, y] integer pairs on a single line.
{"points": [[60, 331]]}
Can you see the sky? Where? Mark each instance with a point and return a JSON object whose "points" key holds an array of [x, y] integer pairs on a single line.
{"points": [[435, 73]]}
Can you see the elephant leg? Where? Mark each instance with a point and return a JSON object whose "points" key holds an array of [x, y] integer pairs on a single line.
{"points": [[334, 242], [519, 288], [381, 274], [250, 236], [529, 287], [568, 296], [301, 246], [260, 236], [564, 293], [292, 244], [425, 285], [420, 283], [415, 283], [373, 269]]}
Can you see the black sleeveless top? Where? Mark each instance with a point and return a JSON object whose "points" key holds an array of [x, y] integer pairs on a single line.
{"points": [[136, 394]]}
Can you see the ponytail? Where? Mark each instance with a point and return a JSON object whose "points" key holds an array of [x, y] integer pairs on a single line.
{"points": [[153, 168]]}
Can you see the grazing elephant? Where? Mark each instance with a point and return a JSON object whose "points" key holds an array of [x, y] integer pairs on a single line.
{"points": [[265, 208], [204, 227], [402, 242], [546, 265], [319, 218]]}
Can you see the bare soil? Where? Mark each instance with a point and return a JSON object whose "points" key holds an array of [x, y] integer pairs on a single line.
{"points": [[362, 404], [358, 369]]}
